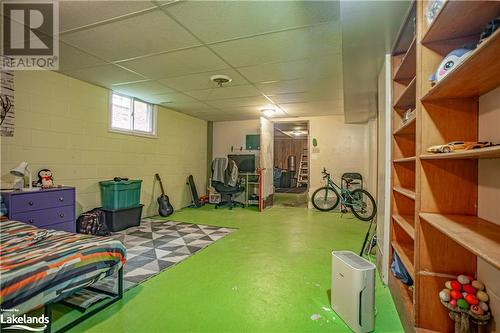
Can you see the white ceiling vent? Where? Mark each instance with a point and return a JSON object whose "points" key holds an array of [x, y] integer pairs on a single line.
{"points": [[220, 79]]}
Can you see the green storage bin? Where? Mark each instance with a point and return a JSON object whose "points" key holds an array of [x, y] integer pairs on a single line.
{"points": [[122, 194]]}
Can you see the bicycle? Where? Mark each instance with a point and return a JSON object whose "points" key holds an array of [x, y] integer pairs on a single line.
{"points": [[359, 201]]}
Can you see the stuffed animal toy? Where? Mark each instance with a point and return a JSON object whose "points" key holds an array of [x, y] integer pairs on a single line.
{"points": [[449, 63], [45, 178]]}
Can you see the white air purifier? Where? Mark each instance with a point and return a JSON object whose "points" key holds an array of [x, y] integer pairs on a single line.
{"points": [[353, 290]]}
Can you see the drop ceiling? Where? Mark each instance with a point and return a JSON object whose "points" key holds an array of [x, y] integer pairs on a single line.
{"points": [[286, 53]]}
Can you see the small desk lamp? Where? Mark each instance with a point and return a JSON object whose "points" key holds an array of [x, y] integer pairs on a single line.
{"points": [[21, 171]]}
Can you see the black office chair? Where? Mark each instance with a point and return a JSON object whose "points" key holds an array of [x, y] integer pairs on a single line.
{"points": [[226, 190]]}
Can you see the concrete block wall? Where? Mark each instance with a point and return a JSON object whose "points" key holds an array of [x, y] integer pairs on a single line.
{"points": [[62, 124]]}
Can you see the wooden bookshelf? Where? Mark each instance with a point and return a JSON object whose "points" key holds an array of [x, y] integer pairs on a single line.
{"points": [[473, 233], [434, 204], [405, 73], [406, 100], [407, 128], [406, 192], [457, 23], [403, 300], [406, 222], [405, 159], [488, 152], [475, 76], [405, 253]]}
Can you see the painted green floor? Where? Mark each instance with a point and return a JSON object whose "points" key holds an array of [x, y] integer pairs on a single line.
{"points": [[290, 199], [271, 275]]}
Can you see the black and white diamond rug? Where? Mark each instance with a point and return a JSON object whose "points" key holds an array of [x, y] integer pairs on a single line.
{"points": [[156, 245]]}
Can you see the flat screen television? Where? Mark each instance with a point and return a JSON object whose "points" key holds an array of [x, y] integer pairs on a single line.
{"points": [[244, 162]]}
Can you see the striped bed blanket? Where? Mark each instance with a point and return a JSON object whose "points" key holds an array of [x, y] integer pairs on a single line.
{"points": [[39, 266]]}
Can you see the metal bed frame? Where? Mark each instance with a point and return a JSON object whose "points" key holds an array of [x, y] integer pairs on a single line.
{"points": [[114, 298]]}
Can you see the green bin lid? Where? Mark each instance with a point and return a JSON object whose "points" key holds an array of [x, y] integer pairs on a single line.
{"points": [[121, 182]]}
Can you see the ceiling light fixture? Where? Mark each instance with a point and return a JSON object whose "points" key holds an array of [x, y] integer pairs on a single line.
{"points": [[299, 133], [268, 112], [220, 79]]}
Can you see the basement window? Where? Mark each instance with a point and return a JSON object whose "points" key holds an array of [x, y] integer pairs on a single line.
{"points": [[130, 115]]}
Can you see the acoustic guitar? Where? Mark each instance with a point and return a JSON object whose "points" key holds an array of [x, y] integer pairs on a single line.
{"points": [[164, 206]]}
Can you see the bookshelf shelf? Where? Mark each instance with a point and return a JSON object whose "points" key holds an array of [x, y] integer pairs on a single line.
{"points": [[407, 98], [406, 222], [477, 75], [406, 70], [473, 233], [405, 159], [458, 23], [488, 152], [406, 254], [406, 192], [408, 128], [403, 299]]}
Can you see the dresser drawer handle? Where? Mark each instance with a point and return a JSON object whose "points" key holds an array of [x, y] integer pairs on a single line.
{"points": [[61, 199], [31, 203], [31, 221], [61, 215]]}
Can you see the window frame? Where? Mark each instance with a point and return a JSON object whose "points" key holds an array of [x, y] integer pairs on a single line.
{"points": [[132, 131]]}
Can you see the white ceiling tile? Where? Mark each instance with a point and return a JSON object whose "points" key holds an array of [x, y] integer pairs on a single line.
{"points": [[195, 109], [239, 117], [144, 89], [296, 97], [254, 111], [215, 21], [71, 58], [168, 99], [74, 14], [306, 68], [314, 108], [136, 36], [242, 101], [105, 75], [315, 41], [178, 63], [213, 115], [190, 107], [222, 117], [327, 88], [224, 92], [202, 80]]}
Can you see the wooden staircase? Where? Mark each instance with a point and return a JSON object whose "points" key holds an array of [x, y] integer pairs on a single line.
{"points": [[303, 176]]}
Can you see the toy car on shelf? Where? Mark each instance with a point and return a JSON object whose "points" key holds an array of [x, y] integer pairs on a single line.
{"points": [[459, 145]]}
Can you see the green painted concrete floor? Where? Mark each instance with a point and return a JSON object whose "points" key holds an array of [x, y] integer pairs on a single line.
{"points": [[271, 275], [290, 199]]}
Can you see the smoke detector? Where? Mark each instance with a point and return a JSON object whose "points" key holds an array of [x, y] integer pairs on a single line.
{"points": [[220, 79]]}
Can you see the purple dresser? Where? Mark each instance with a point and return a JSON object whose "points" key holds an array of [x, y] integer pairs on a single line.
{"points": [[49, 209]]}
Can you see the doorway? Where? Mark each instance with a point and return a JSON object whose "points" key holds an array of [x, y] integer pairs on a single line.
{"points": [[291, 163]]}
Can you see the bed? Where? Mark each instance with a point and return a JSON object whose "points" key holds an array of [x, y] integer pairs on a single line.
{"points": [[39, 267]]}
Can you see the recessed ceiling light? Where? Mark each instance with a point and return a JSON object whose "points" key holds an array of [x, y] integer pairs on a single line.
{"points": [[268, 112]]}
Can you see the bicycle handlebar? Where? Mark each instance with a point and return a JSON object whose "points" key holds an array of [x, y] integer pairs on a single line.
{"points": [[325, 173]]}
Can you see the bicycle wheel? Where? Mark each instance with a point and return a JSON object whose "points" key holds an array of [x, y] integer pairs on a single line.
{"points": [[363, 205], [325, 199]]}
